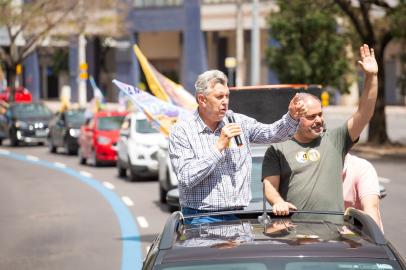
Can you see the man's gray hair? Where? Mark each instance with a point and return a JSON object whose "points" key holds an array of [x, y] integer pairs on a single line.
{"points": [[209, 79], [307, 96]]}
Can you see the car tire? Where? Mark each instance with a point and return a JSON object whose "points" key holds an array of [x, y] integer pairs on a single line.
{"points": [[162, 194], [122, 171], [1, 141], [68, 149], [82, 159], [95, 161], [51, 146], [133, 175], [13, 138]]}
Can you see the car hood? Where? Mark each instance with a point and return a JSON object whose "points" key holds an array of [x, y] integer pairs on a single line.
{"points": [[31, 120], [150, 139]]}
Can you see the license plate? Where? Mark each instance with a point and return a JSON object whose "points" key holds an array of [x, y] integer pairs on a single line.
{"points": [[40, 133]]}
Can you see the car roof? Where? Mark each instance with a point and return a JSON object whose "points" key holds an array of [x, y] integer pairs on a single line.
{"points": [[252, 238]]}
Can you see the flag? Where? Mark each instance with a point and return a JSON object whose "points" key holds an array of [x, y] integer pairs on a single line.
{"points": [[97, 93], [162, 114], [164, 88]]}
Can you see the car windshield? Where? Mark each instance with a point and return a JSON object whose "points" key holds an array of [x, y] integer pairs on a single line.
{"points": [[75, 117], [31, 110], [287, 264], [256, 174], [144, 126], [109, 122]]}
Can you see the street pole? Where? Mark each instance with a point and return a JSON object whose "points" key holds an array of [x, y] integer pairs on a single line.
{"points": [[82, 70], [255, 46], [239, 77]]}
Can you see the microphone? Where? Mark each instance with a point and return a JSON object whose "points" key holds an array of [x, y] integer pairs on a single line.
{"points": [[231, 119]]}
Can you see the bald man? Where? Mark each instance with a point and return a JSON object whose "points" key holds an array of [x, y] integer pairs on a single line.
{"points": [[305, 172]]}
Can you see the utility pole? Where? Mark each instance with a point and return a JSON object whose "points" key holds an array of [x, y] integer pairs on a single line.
{"points": [[82, 78], [239, 78], [255, 45]]}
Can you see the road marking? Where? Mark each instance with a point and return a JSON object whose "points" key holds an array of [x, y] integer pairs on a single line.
{"points": [[86, 174], [147, 249], [142, 221], [108, 185], [127, 201], [32, 158], [384, 180], [59, 165], [131, 250], [4, 152]]}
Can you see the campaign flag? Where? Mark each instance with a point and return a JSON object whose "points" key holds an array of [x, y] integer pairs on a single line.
{"points": [[162, 114], [164, 88], [97, 93]]}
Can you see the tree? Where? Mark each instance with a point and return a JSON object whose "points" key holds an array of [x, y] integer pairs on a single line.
{"points": [[374, 22], [27, 25], [309, 49], [377, 23]]}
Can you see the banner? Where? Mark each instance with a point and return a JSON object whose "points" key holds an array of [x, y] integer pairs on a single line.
{"points": [[162, 114], [164, 88]]}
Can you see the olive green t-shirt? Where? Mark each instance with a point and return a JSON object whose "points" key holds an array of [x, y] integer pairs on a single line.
{"points": [[310, 173]]}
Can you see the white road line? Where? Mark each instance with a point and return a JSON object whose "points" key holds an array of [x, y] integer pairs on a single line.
{"points": [[127, 201], [4, 152], [32, 158], [108, 185], [142, 221], [147, 249], [384, 180], [60, 165], [87, 174]]}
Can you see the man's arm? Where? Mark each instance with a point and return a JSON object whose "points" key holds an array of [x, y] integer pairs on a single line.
{"points": [[370, 205], [279, 205], [188, 168], [368, 99]]}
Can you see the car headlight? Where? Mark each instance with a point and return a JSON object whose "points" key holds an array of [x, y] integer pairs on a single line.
{"points": [[21, 124], [103, 140], [73, 132]]}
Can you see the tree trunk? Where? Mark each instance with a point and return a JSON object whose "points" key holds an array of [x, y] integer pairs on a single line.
{"points": [[377, 134], [11, 82]]}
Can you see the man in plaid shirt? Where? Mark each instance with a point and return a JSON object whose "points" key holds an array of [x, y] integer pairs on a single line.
{"points": [[214, 174]]}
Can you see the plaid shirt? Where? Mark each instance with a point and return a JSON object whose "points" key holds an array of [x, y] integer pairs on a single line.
{"points": [[213, 180]]}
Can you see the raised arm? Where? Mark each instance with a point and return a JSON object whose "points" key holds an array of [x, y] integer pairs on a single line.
{"points": [[366, 106]]}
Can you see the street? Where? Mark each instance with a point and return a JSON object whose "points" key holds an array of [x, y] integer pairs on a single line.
{"points": [[57, 214]]}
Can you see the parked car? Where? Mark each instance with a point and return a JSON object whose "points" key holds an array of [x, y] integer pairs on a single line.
{"points": [[25, 122], [21, 94], [98, 138], [64, 130], [138, 146], [257, 241]]}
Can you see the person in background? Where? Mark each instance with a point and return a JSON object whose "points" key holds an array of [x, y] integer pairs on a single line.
{"points": [[361, 187], [214, 173]]}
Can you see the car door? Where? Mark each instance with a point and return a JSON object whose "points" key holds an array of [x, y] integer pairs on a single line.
{"points": [[3, 123]]}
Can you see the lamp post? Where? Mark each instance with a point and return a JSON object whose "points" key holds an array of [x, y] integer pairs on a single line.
{"points": [[230, 63]]}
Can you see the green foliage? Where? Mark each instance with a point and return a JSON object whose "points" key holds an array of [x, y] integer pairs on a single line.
{"points": [[311, 49]]}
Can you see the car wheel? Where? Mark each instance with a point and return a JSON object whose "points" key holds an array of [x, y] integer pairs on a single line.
{"points": [[68, 149], [13, 138], [95, 161], [51, 146], [162, 194], [1, 141], [82, 159], [133, 175], [122, 172]]}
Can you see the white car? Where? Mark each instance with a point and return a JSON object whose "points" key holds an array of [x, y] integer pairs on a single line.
{"points": [[137, 147]]}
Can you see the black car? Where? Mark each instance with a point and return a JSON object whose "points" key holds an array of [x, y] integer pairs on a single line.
{"points": [[25, 122], [303, 240], [64, 130]]}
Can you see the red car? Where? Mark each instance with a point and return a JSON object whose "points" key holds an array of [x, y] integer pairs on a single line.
{"points": [[21, 94], [98, 137]]}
